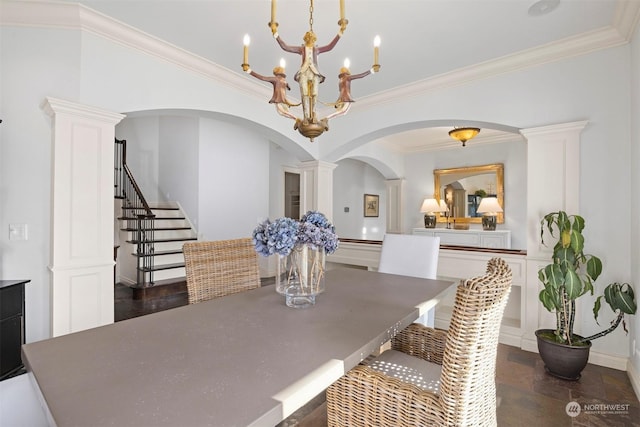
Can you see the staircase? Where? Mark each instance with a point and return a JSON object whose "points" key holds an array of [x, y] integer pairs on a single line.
{"points": [[151, 235], [156, 258]]}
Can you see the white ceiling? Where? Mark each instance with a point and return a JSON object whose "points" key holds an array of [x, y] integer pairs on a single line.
{"points": [[421, 39]]}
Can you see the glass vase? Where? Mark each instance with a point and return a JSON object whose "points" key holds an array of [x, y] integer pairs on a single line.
{"points": [[300, 276]]}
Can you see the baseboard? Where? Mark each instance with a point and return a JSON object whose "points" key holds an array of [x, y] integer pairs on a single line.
{"points": [[634, 377], [608, 360], [509, 339], [596, 358], [126, 281]]}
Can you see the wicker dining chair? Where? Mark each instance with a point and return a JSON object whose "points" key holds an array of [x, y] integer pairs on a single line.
{"points": [[432, 377], [219, 268]]}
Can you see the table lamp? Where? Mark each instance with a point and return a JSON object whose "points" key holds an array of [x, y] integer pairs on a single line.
{"points": [[429, 208], [489, 207]]}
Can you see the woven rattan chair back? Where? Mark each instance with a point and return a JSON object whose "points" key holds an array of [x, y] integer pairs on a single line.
{"points": [[467, 353], [219, 268], [468, 387]]}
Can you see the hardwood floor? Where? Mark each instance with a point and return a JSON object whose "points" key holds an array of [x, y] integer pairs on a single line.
{"points": [[527, 395]]}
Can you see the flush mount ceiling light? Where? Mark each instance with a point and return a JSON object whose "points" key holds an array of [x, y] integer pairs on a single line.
{"points": [[463, 134], [310, 124], [542, 7]]}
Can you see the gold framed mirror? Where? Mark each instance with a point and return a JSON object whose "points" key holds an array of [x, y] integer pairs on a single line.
{"points": [[463, 188]]}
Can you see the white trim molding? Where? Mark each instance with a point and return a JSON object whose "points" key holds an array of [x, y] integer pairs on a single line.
{"points": [[82, 220]]}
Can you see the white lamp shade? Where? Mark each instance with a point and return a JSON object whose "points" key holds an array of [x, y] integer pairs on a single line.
{"points": [[443, 206], [489, 205], [430, 205]]}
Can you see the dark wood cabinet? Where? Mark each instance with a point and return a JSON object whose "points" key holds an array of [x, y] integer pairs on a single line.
{"points": [[12, 326]]}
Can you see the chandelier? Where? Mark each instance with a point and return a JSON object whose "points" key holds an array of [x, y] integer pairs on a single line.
{"points": [[308, 77]]}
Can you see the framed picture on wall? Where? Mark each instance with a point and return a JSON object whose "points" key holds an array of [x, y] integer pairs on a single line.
{"points": [[371, 205]]}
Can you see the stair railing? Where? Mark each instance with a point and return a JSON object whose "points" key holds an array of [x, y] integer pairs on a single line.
{"points": [[141, 218]]}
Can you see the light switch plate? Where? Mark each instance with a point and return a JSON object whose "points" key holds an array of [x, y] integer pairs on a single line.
{"points": [[18, 232]]}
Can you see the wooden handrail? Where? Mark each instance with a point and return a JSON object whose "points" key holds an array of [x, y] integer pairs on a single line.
{"points": [[138, 192], [127, 188]]}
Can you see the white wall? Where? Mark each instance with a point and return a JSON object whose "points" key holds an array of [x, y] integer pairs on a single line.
{"points": [[233, 192], [143, 137], [34, 63], [634, 226], [179, 139], [352, 179]]}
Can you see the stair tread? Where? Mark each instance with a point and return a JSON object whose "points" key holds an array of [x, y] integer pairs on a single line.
{"points": [[160, 253], [177, 239], [162, 267], [158, 208], [158, 228], [164, 218]]}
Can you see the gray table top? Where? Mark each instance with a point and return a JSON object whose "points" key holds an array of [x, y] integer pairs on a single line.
{"points": [[241, 360]]}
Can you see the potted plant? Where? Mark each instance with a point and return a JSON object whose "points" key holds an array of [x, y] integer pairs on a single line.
{"points": [[571, 275]]}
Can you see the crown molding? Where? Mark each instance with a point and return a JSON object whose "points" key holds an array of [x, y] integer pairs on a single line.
{"points": [[37, 13], [592, 41], [53, 106], [626, 17], [448, 144]]}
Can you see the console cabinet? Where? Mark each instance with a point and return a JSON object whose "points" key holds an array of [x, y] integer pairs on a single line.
{"points": [[497, 239], [456, 264], [12, 334]]}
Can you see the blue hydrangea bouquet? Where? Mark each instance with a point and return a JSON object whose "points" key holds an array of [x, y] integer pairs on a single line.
{"points": [[280, 236], [301, 247]]}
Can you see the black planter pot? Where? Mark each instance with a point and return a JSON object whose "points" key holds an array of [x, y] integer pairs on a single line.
{"points": [[561, 360]]}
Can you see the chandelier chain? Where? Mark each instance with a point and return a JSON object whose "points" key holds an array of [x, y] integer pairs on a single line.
{"points": [[311, 15]]}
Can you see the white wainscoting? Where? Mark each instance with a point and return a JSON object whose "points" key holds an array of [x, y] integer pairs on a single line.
{"points": [[456, 265], [496, 239]]}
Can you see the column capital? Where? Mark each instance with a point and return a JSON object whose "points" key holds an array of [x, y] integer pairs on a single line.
{"points": [[54, 106]]}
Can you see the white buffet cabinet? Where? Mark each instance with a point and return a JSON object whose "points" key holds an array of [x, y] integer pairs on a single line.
{"points": [[497, 239], [462, 264], [454, 264]]}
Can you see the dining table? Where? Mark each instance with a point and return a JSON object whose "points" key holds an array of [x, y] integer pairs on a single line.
{"points": [[241, 360]]}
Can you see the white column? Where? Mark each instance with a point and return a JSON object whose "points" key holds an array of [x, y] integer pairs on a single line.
{"points": [[82, 216], [395, 202], [316, 187], [553, 184]]}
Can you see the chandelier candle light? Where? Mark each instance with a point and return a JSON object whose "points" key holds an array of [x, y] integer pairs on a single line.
{"points": [[308, 77]]}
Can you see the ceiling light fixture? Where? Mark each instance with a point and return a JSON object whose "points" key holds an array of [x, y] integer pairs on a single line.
{"points": [[542, 7], [309, 78], [463, 134]]}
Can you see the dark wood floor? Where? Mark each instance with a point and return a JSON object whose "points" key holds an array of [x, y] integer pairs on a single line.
{"points": [[527, 395]]}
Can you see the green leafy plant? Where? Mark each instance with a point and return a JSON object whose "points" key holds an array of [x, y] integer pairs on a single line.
{"points": [[571, 275]]}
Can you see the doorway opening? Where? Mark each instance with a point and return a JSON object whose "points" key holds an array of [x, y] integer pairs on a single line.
{"points": [[292, 195]]}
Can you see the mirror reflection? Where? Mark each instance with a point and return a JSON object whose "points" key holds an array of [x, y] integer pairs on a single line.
{"points": [[462, 189]]}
